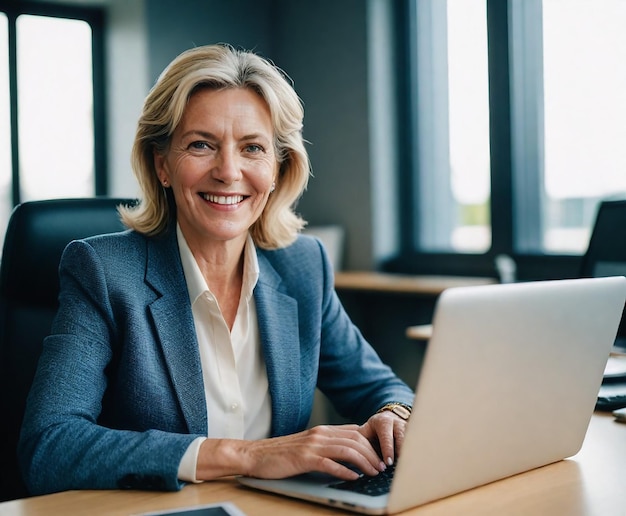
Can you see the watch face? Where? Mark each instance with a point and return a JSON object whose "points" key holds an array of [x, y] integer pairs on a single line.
{"points": [[401, 411]]}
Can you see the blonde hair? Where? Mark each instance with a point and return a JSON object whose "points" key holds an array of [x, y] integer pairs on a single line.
{"points": [[220, 67]]}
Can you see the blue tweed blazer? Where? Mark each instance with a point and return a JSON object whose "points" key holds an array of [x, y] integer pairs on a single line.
{"points": [[118, 395]]}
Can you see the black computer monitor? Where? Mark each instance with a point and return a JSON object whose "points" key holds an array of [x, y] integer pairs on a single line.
{"points": [[606, 253]]}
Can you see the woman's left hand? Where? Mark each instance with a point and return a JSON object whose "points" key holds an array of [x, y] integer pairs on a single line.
{"points": [[387, 430]]}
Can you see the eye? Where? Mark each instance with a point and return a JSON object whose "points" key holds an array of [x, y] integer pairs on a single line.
{"points": [[253, 148], [199, 145]]}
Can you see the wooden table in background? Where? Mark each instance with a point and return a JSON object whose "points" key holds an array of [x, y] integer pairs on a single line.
{"points": [[403, 283], [406, 284]]}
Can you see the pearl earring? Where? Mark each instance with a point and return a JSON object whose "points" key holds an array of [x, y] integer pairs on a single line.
{"points": [[273, 186]]}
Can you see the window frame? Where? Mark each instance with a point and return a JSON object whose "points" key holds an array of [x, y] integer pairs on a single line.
{"points": [[94, 16], [510, 192]]}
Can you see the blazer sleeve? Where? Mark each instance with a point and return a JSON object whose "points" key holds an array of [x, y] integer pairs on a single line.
{"points": [[351, 373], [63, 445]]}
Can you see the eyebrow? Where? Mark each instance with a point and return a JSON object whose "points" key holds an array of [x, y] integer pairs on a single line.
{"points": [[211, 136], [202, 134]]}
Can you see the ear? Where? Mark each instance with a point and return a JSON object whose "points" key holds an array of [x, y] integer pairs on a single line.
{"points": [[160, 166]]}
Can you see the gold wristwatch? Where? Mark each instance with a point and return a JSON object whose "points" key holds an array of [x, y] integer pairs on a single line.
{"points": [[399, 409]]}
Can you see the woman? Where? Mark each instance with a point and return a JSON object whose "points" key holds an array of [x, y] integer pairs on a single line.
{"points": [[189, 347]]}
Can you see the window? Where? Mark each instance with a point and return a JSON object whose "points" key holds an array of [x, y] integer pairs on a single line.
{"points": [[518, 128], [453, 126], [5, 125], [50, 104], [583, 105], [55, 122]]}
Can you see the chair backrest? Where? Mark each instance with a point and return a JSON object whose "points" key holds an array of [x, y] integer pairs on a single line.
{"points": [[606, 253], [36, 236]]}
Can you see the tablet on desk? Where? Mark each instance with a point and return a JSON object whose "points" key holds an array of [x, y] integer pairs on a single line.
{"points": [[214, 509]]}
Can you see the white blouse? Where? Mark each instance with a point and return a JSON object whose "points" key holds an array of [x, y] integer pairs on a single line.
{"points": [[235, 379]]}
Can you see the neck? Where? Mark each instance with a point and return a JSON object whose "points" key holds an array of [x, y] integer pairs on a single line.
{"points": [[222, 264]]}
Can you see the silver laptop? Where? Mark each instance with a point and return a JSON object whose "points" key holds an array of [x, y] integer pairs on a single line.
{"points": [[508, 383]]}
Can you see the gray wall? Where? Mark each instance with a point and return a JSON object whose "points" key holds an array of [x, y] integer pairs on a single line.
{"points": [[174, 26], [323, 46]]}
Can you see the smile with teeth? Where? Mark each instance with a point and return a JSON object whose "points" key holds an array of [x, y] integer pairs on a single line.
{"points": [[223, 199]]}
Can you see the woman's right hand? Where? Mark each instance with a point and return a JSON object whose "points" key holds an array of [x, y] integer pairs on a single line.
{"points": [[322, 448]]}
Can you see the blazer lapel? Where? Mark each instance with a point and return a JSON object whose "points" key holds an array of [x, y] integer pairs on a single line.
{"points": [[173, 320], [277, 314]]}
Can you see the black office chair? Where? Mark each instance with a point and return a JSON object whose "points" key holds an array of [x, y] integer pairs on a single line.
{"points": [[37, 233]]}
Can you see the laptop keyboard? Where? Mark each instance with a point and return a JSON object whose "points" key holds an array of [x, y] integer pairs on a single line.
{"points": [[371, 486]]}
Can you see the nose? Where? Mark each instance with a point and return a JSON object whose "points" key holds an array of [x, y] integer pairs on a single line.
{"points": [[226, 168]]}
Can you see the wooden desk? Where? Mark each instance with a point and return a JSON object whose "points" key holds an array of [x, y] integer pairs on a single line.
{"points": [[403, 283], [591, 483]]}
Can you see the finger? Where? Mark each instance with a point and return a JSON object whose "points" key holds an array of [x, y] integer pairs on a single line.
{"points": [[342, 456], [385, 433], [336, 469], [399, 431], [356, 446]]}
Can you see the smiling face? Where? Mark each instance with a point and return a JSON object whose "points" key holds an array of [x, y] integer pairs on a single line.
{"points": [[220, 165]]}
